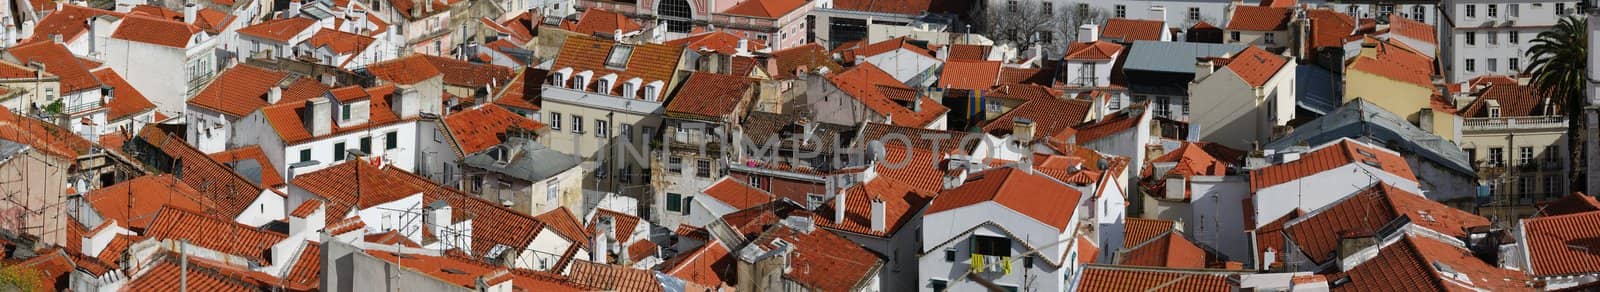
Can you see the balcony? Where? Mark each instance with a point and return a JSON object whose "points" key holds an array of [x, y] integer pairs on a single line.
{"points": [[1516, 123]]}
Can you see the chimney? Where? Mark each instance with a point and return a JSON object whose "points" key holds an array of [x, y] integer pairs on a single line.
{"points": [[427, 6], [409, 104], [1022, 130], [744, 47], [839, 204], [1159, 13], [1352, 242], [438, 216], [616, 35], [1203, 68], [312, 222], [274, 94], [294, 8], [602, 239], [416, 7], [1088, 33], [91, 25], [321, 117], [55, 37], [879, 222], [190, 10]]}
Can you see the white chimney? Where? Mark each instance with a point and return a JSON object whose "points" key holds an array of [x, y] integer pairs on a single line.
{"points": [[190, 10], [616, 35], [1203, 69], [1088, 33], [439, 214], [410, 102], [321, 117], [839, 204], [1159, 13], [744, 47], [879, 222], [1176, 187], [294, 8], [274, 94], [603, 231]]}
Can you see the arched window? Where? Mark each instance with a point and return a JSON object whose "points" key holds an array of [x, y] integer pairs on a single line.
{"points": [[678, 15]]}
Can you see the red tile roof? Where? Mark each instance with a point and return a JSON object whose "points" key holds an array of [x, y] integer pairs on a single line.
{"points": [[155, 31], [737, 194], [1514, 101], [10, 70], [596, 20], [269, 177], [339, 42], [968, 52], [48, 138], [903, 191], [1412, 29], [808, 58], [613, 277], [1571, 204], [1049, 116], [167, 274], [405, 70], [468, 74], [1039, 76], [971, 75], [1256, 66], [1318, 234], [821, 260], [306, 274], [134, 203], [1031, 194], [1093, 51], [58, 60], [1129, 30], [482, 127], [405, 8], [1329, 157], [157, 12], [242, 89], [1111, 124], [286, 121], [1139, 230], [864, 49], [1562, 245], [710, 265], [648, 62], [563, 223], [1257, 18], [1170, 249], [624, 224], [1329, 28], [1270, 236], [1097, 278], [232, 194], [712, 96], [453, 268], [213, 21], [1417, 263], [71, 21], [718, 41], [213, 233], [1395, 62], [773, 9], [522, 92], [306, 209], [126, 101], [878, 91]]}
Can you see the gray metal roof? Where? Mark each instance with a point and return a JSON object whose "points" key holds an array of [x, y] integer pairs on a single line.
{"points": [[1315, 89], [1177, 57], [1365, 121], [8, 148], [533, 163]]}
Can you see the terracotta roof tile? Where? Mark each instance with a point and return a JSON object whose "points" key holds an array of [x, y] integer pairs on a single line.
{"points": [[808, 57], [1416, 263], [1317, 234], [822, 260], [1514, 101], [134, 203], [905, 7], [232, 194], [482, 127], [1038, 76], [613, 277], [624, 224], [1562, 245], [222, 235], [1571, 204], [969, 52], [1393, 61], [711, 96], [563, 223], [1257, 18], [1097, 278], [10, 70], [286, 121], [126, 101], [1032, 195], [971, 75], [306, 209], [1049, 116], [710, 265], [155, 31], [1170, 249], [1128, 30], [467, 74], [522, 92], [167, 274], [58, 60], [863, 83], [1093, 51], [1329, 28], [1139, 230], [71, 21], [157, 12], [405, 8], [737, 194], [231, 157], [864, 49], [1270, 236], [339, 42], [597, 20], [406, 70], [243, 89], [1111, 124], [114, 250], [1330, 157], [1256, 66], [903, 192], [453, 268], [212, 20], [648, 62], [306, 274], [773, 9], [1412, 29], [718, 41]]}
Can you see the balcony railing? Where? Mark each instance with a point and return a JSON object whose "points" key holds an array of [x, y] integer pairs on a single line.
{"points": [[1516, 123]]}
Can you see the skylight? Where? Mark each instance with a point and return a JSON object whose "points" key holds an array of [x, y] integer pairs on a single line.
{"points": [[618, 59]]}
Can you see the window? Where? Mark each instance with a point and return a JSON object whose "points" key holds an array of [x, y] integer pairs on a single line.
{"points": [[1086, 75], [625, 174], [366, 145], [1512, 65], [619, 57], [1083, 10], [1472, 11], [1115, 103], [1194, 13], [754, 181], [1494, 111], [602, 128], [1419, 13], [604, 85], [1352, 10], [674, 202], [1185, 106], [344, 113], [1234, 36], [1513, 10], [937, 285], [338, 151], [1496, 156], [649, 133], [1385, 9], [1492, 65], [1121, 10], [1494, 38], [1472, 38], [1011, 5], [1552, 154], [1162, 110], [675, 164], [577, 124], [1512, 37], [686, 204], [1524, 155], [1524, 187], [1552, 186], [1049, 8], [305, 155], [1472, 154], [555, 121], [1472, 65], [950, 254], [580, 83], [1561, 9], [391, 140], [1271, 38], [992, 246], [1494, 10], [702, 168], [550, 194], [627, 132]]}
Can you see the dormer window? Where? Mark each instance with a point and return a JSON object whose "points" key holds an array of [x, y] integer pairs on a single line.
{"points": [[604, 83], [580, 81], [630, 88], [651, 90], [618, 59], [560, 77], [1494, 112]]}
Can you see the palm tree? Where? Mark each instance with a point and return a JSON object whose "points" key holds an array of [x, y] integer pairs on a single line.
{"points": [[1558, 68]]}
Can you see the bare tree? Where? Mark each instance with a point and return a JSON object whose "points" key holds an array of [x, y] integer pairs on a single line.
{"points": [[1027, 24]]}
